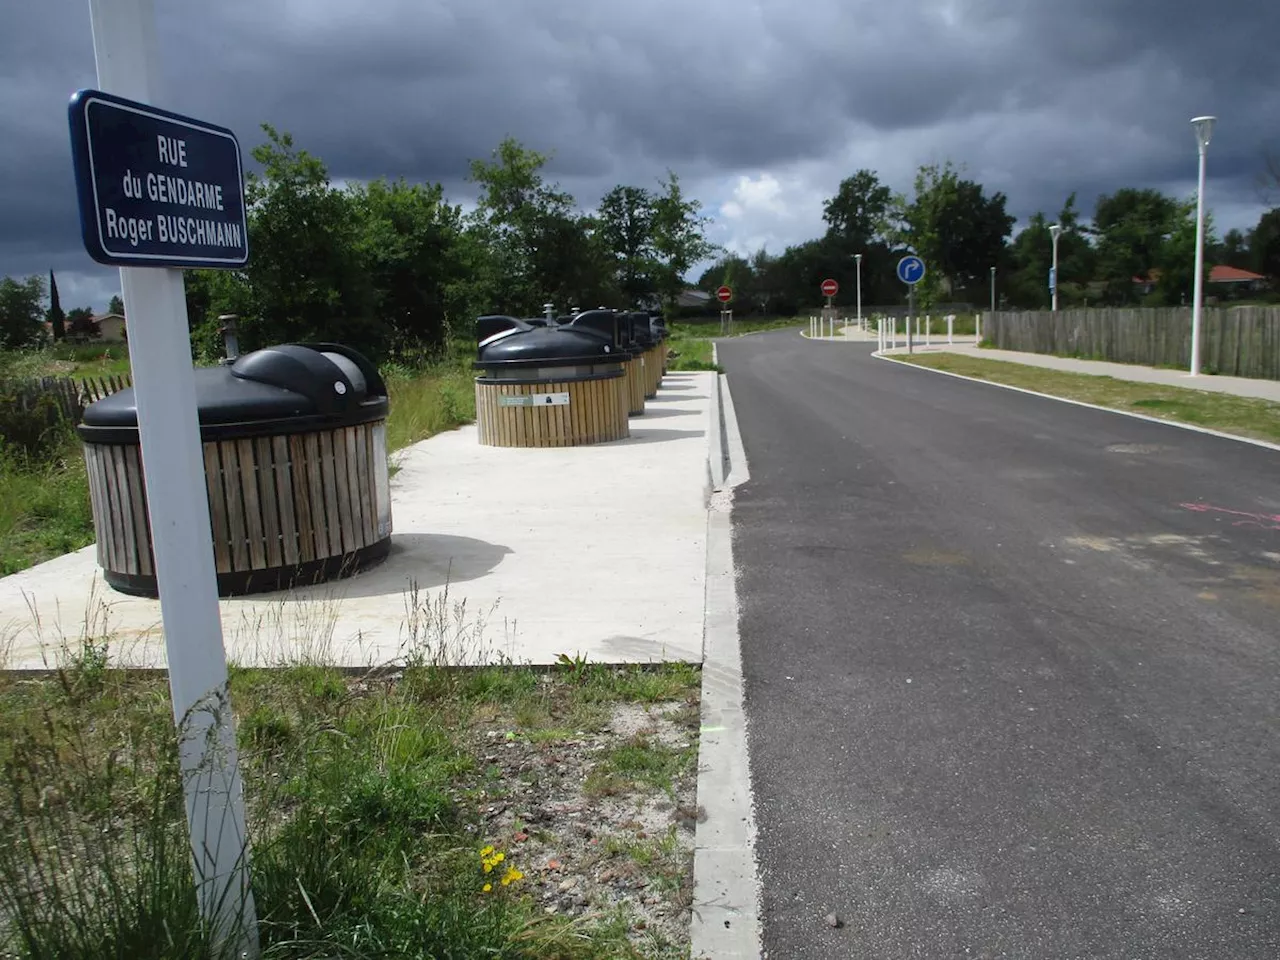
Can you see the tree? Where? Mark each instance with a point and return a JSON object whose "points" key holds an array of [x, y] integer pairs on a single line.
{"points": [[408, 242], [1177, 256], [1031, 256], [81, 324], [116, 305], [20, 312], [1264, 245], [954, 227], [56, 318], [858, 214], [519, 218], [1131, 227], [306, 279], [626, 222], [679, 240]]}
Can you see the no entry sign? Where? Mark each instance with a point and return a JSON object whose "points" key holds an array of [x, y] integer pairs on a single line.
{"points": [[156, 189], [830, 288], [724, 294]]}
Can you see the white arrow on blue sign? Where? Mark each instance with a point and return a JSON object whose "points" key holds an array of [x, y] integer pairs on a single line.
{"points": [[156, 189], [911, 269]]}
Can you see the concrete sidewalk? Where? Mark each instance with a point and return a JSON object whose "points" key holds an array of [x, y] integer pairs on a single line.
{"points": [[1239, 386], [597, 550]]}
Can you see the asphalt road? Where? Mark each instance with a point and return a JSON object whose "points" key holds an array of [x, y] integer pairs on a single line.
{"points": [[1012, 669]]}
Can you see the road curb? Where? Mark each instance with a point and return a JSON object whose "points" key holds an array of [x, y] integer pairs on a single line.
{"points": [[725, 923], [1090, 406]]}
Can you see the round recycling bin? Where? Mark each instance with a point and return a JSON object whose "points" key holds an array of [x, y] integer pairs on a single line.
{"points": [[635, 366], [658, 324], [295, 457], [614, 328], [546, 386]]}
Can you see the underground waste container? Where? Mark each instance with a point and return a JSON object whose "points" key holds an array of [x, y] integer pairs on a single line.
{"points": [[615, 330], [546, 386], [635, 365], [649, 347], [295, 457], [658, 324]]}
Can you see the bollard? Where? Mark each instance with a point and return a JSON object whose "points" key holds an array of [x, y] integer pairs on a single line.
{"points": [[928, 328], [951, 323], [977, 325]]}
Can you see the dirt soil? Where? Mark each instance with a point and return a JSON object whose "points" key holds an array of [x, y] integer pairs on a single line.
{"points": [[600, 820]]}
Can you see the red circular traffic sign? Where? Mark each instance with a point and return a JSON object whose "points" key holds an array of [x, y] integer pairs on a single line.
{"points": [[830, 288], [724, 294]]}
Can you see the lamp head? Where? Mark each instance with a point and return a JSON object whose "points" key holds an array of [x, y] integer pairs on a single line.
{"points": [[1204, 129], [1054, 230]]}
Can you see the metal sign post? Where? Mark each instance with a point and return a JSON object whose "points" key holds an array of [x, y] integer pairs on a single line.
{"points": [[159, 190], [724, 294], [910, 271]]}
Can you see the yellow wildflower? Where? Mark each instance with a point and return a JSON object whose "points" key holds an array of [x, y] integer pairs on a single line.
{"points": [[488, 887], [512, 875]]}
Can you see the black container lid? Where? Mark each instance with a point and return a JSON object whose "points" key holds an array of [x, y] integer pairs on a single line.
{"points": [[640, 329], [531, 346], [289, 388]]}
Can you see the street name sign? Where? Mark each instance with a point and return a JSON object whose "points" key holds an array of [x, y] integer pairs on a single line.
{"points": [[156, 189]]}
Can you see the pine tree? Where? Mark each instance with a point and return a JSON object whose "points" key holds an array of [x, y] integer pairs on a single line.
{"points": [[57, 319]]}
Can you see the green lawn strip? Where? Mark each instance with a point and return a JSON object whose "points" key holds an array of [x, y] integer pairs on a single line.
{"points": [[1244, 416], [359, 792]]}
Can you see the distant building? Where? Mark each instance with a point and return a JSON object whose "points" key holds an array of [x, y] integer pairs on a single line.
{"points": [[110, 327], [1233, 281]]}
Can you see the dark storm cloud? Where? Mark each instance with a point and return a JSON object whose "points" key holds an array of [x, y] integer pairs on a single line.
{"points": [[1036, 98]]}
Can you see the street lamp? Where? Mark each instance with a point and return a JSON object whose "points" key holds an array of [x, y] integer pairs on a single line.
{"points": [[858, 259], [993, 289], [1204, 129], [1055, 231]]}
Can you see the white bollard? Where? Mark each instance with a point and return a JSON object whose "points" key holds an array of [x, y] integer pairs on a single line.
{"points": [[928, 328], [977, 325], [951, 324]]}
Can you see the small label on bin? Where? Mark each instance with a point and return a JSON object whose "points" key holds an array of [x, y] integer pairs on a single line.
{"points": [[536, 400]]}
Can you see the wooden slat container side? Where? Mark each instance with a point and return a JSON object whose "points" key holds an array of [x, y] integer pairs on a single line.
{"points": [[275, 503], [635, 385], [596, 413]]}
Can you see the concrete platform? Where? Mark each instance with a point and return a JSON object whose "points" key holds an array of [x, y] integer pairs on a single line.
{"points": [[522, 554]]}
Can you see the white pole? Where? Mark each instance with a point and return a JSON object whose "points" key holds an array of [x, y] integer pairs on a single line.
{"points": [[1203, 127], [858, 258], [928, 325], [128, 62], [977, 325], [1055, 231], [951, 328]]}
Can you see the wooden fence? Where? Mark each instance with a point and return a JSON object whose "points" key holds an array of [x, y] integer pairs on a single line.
{"points": [[1235, 341], [69, 395]]}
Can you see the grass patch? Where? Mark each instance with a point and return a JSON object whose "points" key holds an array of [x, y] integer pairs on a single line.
{"points": [[67, 360], [1244, 416], [431, 397], [44, 507], [640, 762], [366, 841]]}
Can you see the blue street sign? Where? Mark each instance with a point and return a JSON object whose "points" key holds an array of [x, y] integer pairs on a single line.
{"points": [[911, 270], [156, 189], [1053, 278]]}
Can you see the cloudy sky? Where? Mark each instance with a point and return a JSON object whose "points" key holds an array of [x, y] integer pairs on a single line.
{"points": [[760, 107]]}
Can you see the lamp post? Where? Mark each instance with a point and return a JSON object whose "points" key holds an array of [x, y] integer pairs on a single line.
{"points": [[1204, 129], [1055, 231], [858, 260], [993, 289]]}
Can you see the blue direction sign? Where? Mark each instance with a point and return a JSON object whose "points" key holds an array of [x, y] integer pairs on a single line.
{"points": [[1053, 278], [911, 270], [156, 189]]}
